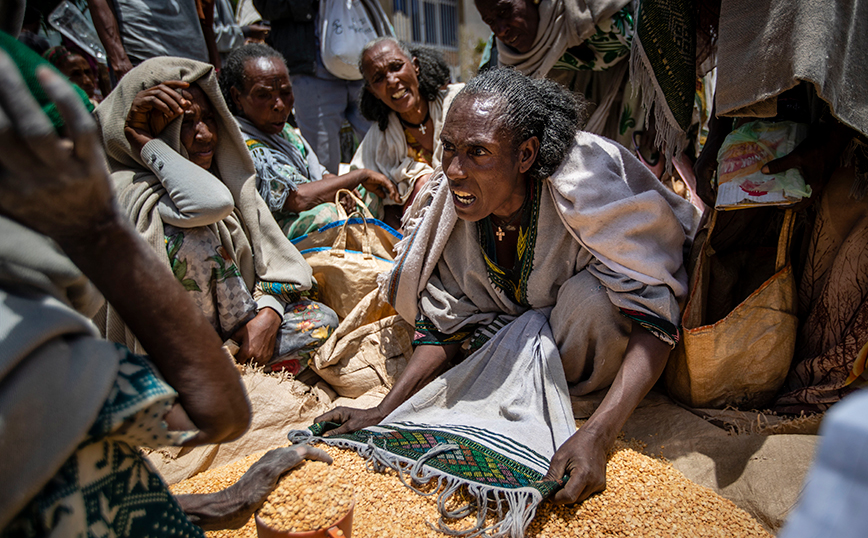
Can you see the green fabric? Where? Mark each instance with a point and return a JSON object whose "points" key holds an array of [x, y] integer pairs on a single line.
{"points": [[27, 61], [667, 32]]}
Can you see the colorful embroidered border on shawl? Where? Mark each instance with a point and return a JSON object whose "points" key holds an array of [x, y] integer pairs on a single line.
{"points": [[609, 45], [427, 334], [289, 293], [455, 455], [416, 151], [514, 282], [663, 64], [659, 327], [484, 333]]}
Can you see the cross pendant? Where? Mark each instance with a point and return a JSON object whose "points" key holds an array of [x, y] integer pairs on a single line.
{"points": [[499, 233], [422, 128]]}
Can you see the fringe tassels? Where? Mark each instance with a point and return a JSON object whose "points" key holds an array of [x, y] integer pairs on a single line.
{"points": [[671, 140], [513, 509]]}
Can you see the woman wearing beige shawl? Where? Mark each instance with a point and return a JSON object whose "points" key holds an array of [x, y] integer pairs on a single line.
{"points": [[528, 213], [406, 94], [186, 180]]}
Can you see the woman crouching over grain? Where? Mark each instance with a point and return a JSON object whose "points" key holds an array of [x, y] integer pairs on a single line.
{"points": [[530, 213]]}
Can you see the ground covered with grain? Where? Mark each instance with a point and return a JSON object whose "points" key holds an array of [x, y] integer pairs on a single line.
{"points": [[645, 497]]}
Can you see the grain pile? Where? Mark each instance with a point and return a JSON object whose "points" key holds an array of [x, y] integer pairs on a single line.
{"points": [[645, 497], [311, 497]]}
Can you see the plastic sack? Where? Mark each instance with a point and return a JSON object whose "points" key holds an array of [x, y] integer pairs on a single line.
{"points": [[70, 22], [346, 26], [740, 183]]}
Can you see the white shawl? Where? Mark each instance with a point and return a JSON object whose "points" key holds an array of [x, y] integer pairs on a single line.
{"points": [[386, 151], [562, 24]]}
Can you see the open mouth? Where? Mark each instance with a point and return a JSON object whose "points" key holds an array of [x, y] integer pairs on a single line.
{"points": [[400, 93], [463, 198]]}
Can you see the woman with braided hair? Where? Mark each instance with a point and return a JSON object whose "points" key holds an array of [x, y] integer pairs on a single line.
{"points": [[530, 215]]}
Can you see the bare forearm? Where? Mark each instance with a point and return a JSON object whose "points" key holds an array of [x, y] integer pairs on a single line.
{"points": [[426, 363], [170, 327], [310, 195], [643, 364], [108, 31]]}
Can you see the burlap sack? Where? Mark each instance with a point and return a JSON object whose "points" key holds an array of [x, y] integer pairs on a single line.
{"points": [[347, 255], [743, 359], [369, 349], [279, 403]]}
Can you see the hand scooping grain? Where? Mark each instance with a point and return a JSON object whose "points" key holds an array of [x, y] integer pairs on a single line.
{"points": [[233, 506]]}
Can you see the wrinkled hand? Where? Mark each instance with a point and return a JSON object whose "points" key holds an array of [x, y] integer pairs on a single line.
{"points": [[350, 419], [256, 339], [381, 186], [59, 187], [232, 507], [816, 157], [583, 457], [152, 110]]}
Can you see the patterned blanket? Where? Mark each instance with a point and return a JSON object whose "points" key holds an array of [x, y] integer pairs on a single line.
{"points": [[489, 425]]}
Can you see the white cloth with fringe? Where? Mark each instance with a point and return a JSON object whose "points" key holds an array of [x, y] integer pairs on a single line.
{"points": [[508, 401]]}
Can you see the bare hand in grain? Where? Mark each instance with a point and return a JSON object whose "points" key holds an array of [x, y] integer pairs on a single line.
{"points": [[233, 506]]}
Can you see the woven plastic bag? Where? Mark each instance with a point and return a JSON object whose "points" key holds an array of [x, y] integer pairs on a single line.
{"points": [[743, 359]]}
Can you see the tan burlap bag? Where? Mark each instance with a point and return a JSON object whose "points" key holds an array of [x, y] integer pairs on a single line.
{"points": [[370, 348], [743, 359]]}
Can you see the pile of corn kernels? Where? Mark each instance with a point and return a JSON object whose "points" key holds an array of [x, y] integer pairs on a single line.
{"points": [[644, 497]]}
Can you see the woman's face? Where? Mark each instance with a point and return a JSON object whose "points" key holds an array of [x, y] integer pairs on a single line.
{"points": [[199, 127], [77, 70], [515, 22], [485, 168], [267, 98], [392, 77]]}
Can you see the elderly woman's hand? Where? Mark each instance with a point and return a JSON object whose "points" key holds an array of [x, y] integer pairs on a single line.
{"points": [[381, 185], [231, 508], [152, 110], [256, 339], [58, 187]]}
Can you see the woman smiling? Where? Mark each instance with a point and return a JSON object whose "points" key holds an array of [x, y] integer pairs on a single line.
{"points": [[407, 95]]}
